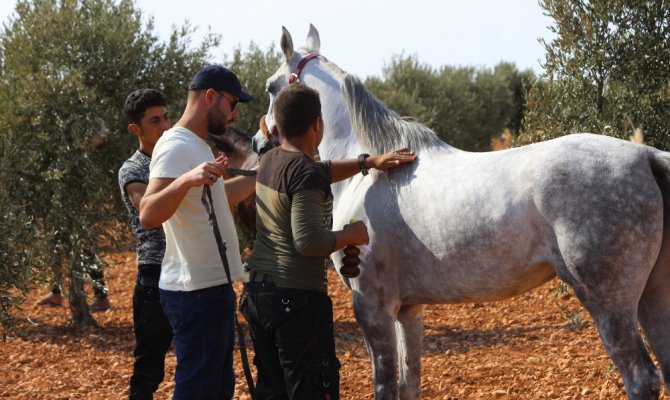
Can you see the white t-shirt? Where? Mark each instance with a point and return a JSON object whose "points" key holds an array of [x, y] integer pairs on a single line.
{"points": [[192, 259]]}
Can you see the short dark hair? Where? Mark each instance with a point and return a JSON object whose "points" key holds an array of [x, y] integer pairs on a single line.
{"points": [[296, 107], [139, 101]]}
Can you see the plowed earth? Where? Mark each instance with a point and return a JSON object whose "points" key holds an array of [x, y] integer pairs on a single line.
{"points": [[540, 345]]}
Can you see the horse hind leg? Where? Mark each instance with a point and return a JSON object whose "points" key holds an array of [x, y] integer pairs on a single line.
{"points": [[654, 308], [625, 347], [654, 315], [617, 324], [409, 337]]}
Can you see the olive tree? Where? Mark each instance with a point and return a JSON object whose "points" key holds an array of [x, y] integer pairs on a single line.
{"points": [[254, 66], [606, 71], [466, 106], [16, 260], [66, 68]]}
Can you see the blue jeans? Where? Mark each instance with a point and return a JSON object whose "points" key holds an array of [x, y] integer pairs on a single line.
{"points": [[204, 335]]}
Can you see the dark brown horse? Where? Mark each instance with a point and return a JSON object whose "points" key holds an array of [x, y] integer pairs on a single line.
{"points": [[238, 148]]}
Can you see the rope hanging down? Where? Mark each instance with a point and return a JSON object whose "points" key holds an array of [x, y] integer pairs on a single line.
{"points": [[209, 207]]}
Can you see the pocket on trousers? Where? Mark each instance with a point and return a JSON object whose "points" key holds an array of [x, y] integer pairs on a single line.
{"points": [[324, 376], [290, 318]]}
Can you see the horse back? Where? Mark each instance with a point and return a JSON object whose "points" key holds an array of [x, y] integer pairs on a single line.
{"points": [[484, 226]]}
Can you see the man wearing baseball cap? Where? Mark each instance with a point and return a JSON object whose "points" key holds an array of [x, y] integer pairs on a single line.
{"points": [[197, 298]]}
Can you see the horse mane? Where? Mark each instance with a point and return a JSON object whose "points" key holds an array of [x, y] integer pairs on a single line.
{"points": [[379, 129]]}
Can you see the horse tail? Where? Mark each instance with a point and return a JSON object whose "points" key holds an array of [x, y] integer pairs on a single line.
{"points": [[660, 167], [654, 306]]}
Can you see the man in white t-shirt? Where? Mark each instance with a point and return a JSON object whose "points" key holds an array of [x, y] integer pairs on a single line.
{"points": [[195, 294]]}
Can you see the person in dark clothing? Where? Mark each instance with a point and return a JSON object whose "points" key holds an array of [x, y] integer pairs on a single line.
{"points": [[100, 301], [146, 110], [285, 299]]}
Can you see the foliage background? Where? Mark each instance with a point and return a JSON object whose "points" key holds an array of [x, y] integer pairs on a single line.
{"points": [[607, 71], [67, 67]]}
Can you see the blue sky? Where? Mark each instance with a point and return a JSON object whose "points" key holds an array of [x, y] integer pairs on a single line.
{"points": [[362, 36]]}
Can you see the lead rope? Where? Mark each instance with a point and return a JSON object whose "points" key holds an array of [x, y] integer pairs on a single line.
{"points": [[209, 207]]}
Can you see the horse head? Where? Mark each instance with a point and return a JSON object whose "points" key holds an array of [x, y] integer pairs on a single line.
{"points": [[238, 148], [355, 120], [308, 66]]}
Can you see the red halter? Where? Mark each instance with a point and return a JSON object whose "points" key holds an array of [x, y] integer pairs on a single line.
{"points": [[295, 77]]}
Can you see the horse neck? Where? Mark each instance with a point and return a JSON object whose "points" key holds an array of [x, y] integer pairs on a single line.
{"points": [[338, 140], [237, 148], [246, 157]]}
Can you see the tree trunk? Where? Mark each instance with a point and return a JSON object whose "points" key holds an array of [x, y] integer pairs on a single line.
{"points": [[600, 98], [79, 312]]}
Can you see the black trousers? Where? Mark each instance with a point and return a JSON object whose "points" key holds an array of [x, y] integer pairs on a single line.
{"points": [[153, 335], [292, 332]]}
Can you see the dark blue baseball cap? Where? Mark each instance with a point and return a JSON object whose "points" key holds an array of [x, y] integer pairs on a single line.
{"points": [[219, 78]]}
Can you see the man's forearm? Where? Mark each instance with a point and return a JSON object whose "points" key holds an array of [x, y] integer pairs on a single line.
{"points": [[239, 188], [161, 200], [343, 169]]}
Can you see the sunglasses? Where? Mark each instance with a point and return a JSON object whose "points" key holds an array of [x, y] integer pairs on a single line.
{"points": [[233, 103]]}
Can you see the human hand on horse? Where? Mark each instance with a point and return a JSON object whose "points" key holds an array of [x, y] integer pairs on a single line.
{"points": [[391, 159]]}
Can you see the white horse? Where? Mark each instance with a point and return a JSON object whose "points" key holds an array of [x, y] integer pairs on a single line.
{"points": [[460, 227]]}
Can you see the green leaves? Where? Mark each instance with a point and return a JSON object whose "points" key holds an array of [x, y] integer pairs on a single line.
{"points": [[466, 106], [606, 71], [253, 66], [67, 67], [16, 261]]}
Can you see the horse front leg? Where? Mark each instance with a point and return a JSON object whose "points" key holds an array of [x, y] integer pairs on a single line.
{"points": [[376, 321], [409, 337]]}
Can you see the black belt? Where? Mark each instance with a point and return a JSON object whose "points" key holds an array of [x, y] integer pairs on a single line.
{"points": [[260, 286], [255, 276], [262, 281], [208, 203]]}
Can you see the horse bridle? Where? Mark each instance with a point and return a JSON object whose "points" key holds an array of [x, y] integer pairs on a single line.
{"points": [[294, 78]]}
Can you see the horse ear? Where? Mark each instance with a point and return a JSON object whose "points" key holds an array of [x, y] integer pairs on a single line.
{"points": [[286, 44], [313, 40]]}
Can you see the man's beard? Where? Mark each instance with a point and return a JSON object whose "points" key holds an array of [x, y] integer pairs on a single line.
{"points": [[216, 122]]}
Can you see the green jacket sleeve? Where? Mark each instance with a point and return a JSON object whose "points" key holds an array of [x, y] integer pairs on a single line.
{"points": [[310, 236]]}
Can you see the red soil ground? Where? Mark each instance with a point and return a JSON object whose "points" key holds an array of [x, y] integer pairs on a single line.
{"points": [[529, 347]]}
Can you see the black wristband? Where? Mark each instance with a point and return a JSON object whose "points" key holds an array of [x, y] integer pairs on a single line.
{"points": [[361, 163]]}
